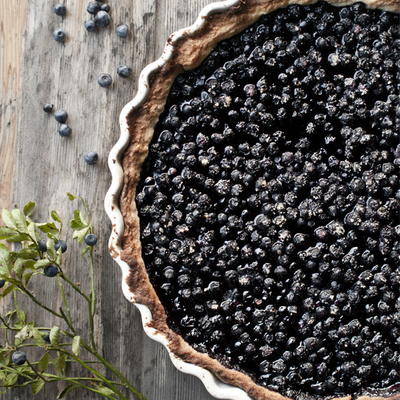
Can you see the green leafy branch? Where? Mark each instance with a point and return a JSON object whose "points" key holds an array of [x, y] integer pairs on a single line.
{"points": [[35, 249]]}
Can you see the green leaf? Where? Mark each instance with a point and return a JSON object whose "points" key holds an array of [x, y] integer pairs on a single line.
{"points": [[76, 345], [51, 251], [80, 234], [11, 379], [54, 335], [44, 362], [31, 230], [71, 196], [55, 216], [22, 335], [4, 253], [8, 219], [48, 227], [27, 253], [59, 363], [66, 390], [41, 263], [23, 237], [105, 390], [29, 207], [6, 232], [37, 386], [78, 221], [20, 219], [21, 316], [6, 291]]}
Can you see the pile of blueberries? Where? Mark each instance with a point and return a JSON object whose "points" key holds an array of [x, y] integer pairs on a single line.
{"points": [[270, 202]]}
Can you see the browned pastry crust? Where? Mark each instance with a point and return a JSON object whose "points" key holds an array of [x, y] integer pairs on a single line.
{"points": [[189, 51]]}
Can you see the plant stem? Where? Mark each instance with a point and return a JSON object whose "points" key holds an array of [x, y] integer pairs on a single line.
{"points": [[105, 380], [92, 303], [117, 373]]}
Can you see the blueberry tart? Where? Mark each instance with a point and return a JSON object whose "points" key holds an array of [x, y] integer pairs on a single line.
{"points": [[261, 198]]}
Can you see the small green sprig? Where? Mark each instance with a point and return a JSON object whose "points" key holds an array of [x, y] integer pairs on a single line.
{"points": [[32, 250]]}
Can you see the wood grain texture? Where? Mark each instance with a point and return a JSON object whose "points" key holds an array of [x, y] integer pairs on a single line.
{"points": [[44, 166], [11, 45]]}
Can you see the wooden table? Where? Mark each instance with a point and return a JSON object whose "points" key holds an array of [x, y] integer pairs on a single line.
{"points": [[37, 164]]}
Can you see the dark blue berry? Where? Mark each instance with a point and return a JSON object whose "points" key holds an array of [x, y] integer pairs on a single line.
{"points": [[59, 35], [61, 116], [124, 71], [60, 9], [2, 283], [90, 25], [48, 108], [18, 357], [51, 271], [61, 244], [122, 30], [42, 246], [102, 19], [105, 7], [93, 7], [91, 158], [64, 130], [104, 80], [91, 239]]}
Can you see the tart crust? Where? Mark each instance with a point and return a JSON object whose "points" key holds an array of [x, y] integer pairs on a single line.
{"points": [[188, 51]]}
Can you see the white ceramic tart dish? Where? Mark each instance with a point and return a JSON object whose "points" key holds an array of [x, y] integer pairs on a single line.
{"points": [[185, 50]]}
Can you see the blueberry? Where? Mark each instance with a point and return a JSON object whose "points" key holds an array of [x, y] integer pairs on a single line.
{"points": [[46, 338], [42, 246], [102, 19], [61, 116], [2, 283], [91, 239], [122, 30], [59, 35], [93, 7], [90, 25], [48, 108], [105, 7], [124, 71], [61, 244], [60, 10], [91, 158], [51, 271], [18, 357], [104, 80], [64, 130]]}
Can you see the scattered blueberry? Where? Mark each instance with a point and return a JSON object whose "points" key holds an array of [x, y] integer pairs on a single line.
{"points": [[48, 108], [42, 246], [59, 35], [102, 19], [2, 283], [61, 244], [60, 10], [90, 25], [46, 338], [91, 158], [51, 271], [104, 80], [93, 7], [61, 116], [124, 71], [105, 7], [91, 239], [18, 357], [64, 130], [122, 30]]}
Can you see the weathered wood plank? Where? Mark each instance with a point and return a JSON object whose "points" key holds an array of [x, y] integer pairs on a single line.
{"points": [[11, 45], [47, 165]]}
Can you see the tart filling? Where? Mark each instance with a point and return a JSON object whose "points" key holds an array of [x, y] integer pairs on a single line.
{"points": [[269, 202]]}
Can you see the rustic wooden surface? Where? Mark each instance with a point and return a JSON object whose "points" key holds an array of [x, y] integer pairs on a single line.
{"points": [[37, 164]]}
